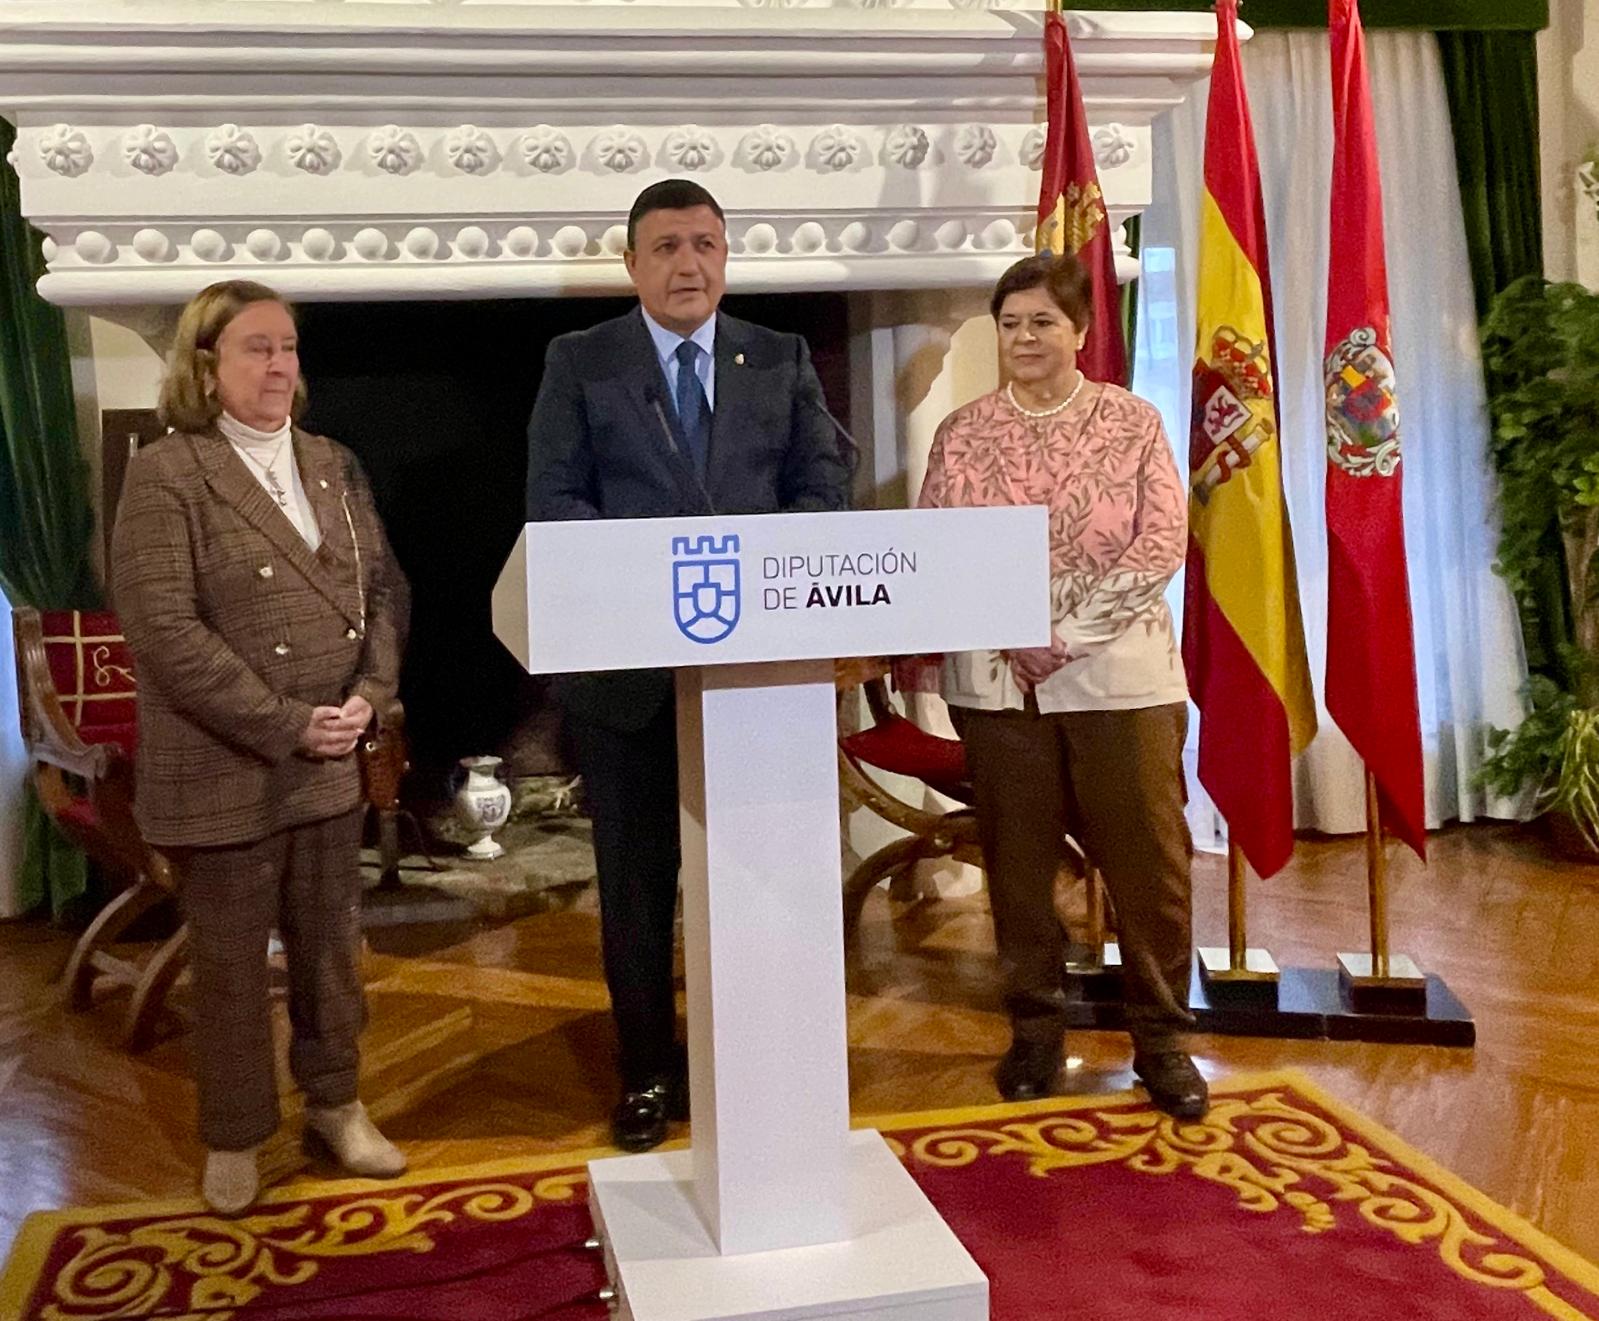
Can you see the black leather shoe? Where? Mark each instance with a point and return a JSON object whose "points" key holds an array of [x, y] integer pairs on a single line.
{"points": [[639, 1120], [1173, 1083], [1028, 1070]]}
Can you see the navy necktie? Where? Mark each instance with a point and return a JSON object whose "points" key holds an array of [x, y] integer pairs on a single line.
{"points": [[693, 409]]}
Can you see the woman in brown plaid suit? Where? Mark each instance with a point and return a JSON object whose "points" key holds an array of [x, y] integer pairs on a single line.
{"points": [[266, 616]]}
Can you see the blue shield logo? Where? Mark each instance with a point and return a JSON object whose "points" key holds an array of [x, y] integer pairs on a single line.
{"points": [[705, 587]]}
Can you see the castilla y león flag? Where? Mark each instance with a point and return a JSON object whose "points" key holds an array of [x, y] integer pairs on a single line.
{"points": [[1371, 662], [1071, 209], [1243, 640]]}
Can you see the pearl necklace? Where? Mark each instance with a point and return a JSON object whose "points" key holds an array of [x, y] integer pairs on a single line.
{"points": [[1061, 407]]}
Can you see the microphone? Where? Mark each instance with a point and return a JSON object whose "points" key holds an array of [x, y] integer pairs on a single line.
{"points": [[652, 395], [853, 457]]}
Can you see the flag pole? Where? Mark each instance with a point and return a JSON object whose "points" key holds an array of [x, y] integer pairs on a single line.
{"points": [[1376, 880], [1238, 965], [1237, 921], [1380, 980]]}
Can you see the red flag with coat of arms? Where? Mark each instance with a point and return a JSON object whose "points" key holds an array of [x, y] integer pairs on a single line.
{"points": [[1071, 209], [1371, 663]]}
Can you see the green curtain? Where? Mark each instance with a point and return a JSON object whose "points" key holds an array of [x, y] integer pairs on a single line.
{"points": [[46, 519], [1491, 80], [1129, 296]]}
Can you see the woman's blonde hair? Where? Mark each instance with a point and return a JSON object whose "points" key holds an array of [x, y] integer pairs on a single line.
{"points": [[188, 392]]}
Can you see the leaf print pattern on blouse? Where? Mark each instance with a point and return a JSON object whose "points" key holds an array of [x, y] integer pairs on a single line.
{"points": [[1118, 510]]}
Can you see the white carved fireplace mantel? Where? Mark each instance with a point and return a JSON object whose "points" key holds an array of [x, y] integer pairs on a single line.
{"points": [[383, 149]]}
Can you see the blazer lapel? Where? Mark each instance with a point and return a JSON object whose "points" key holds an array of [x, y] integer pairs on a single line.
{"points": [[322, 475], [650, 395], [226, 474], [736, 386]]}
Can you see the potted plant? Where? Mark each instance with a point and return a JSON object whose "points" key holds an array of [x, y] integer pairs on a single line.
{"points": [[1541, 359]]}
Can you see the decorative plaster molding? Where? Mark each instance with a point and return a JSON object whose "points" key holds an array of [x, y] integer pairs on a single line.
{"points": [[471, 150], [837, 148], [766, 147], [975, 145], [393, 150], [1113, 146], [232, 150], [398, 259], [852, 144], [546, 149], [620, 150], [65, 150], [148, 149], [907, 146], [1032, 153], [314, 150], [690, 148]]}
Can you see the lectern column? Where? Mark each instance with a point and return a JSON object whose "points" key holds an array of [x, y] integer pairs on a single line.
{"points": [[763, 935]]}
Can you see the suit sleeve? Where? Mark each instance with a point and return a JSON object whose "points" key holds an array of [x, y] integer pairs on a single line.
{"points": [[815, 475], [174, 650], [561, 479], [388, 600]]}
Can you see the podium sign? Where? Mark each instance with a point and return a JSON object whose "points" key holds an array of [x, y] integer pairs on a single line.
{"points": [[777, 1210], [646, 593]]}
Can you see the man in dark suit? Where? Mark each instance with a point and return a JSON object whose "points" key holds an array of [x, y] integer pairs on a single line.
{"points": [[671, 410]]}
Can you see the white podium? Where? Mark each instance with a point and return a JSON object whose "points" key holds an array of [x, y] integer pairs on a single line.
{"points": [[777, 1210]]}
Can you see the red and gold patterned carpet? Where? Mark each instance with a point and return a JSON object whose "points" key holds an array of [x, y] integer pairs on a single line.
{"points": [[1282, 1204]]}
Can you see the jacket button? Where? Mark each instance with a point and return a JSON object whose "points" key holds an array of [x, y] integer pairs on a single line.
{"points": [[323, 483], [350, 633], [282, 649], [265, 570]]}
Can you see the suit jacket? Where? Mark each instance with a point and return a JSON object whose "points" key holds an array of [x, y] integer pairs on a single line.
{"points": [[238, 629], [604, 442]]}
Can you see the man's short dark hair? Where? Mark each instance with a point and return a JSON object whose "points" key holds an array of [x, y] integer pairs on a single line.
{"points": [[669, 195], [1061, 275]]}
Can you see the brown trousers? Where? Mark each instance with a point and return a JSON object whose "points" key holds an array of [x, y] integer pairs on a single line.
{"points": [[305, 882], [1113, 780]]}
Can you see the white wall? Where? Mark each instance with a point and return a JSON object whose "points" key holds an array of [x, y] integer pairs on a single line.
{"points": [[1568, 93]]}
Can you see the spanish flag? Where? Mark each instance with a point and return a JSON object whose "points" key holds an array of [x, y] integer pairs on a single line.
{"points": [[1071, 209], [1243, 642], [1371, 657]]}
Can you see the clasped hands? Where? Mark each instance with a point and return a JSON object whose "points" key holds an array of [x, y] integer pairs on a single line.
{"points": [[1030, 666], [335, 730]]}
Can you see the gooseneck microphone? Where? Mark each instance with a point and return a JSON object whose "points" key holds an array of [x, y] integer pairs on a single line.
{"points": [[853, 458], [652, 395]]}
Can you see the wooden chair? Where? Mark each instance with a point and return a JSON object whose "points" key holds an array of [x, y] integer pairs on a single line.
{"points": [[896, 745], [77, 698], [78, 702], [385, 758]]}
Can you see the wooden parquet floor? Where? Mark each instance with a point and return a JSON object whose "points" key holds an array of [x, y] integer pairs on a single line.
{"points": [[1515, 932]]}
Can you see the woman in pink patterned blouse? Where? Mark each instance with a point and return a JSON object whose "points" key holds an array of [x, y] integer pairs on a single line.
{"points": [[1084, 736]]}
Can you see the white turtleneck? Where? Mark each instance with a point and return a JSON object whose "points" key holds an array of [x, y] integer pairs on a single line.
{"points": [[270, 456]]}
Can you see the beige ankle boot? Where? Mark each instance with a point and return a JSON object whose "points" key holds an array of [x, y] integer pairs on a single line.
{"points": [[231, 1182], [354, 1141]]}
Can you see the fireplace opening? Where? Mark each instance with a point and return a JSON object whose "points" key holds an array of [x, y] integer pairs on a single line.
{"points": [[434, 398]]}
